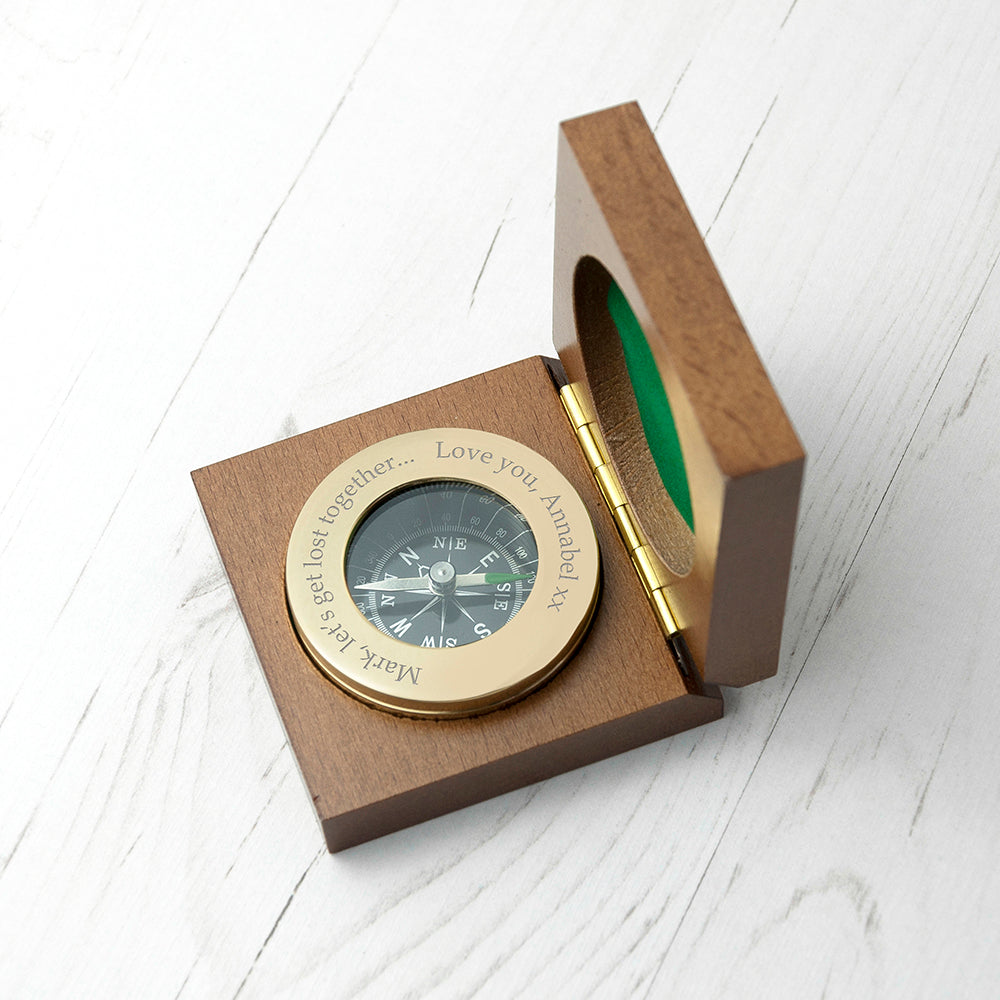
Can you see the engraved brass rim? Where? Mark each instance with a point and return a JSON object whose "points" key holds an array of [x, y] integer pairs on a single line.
{"points": [[472, 679]]}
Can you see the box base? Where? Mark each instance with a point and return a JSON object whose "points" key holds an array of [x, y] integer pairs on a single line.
{"points": [[370, 773]]}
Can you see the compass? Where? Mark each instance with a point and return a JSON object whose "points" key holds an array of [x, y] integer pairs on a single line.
{"points": [[442, 564], [445, 572]]}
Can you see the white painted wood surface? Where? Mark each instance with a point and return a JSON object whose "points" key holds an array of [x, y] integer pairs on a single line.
{"points": [[224, 223]]}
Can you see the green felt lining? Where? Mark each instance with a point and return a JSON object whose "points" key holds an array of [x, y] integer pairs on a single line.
{"points": [[654, 407]]}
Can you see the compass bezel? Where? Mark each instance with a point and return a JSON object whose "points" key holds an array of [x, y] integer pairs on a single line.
{"points": [[479, 677]]}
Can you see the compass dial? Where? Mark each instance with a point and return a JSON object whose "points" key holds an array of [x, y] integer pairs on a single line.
{"points": [[442, 564]]}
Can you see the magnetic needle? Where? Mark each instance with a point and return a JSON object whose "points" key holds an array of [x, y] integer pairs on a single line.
{"points": [[445, 572]]}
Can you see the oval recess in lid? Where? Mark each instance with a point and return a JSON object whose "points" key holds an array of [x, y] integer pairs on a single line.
{"points": [[634, 414]]}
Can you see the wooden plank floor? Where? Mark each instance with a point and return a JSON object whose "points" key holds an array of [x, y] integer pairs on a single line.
{"points": [[223, 224]]}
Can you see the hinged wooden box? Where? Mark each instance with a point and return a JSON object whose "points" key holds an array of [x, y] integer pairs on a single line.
{"points": [[662, 419]]}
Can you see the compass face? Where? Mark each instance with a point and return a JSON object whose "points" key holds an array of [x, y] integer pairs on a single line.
{"points": [[442, 564]]}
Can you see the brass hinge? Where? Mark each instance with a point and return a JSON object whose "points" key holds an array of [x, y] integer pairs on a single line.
{"points": [[592, 444]]}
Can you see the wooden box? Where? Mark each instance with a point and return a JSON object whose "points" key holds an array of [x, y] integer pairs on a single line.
{"points": [[623, 234]]}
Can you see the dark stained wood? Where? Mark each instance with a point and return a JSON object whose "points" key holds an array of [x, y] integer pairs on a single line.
{"points": [[620, 215], [369, 772]]}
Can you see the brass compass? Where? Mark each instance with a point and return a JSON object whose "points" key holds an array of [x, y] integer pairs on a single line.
{"points": [[445, 572]]}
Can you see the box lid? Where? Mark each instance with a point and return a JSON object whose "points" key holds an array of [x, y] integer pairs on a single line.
{"points": [[703, 449]]}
